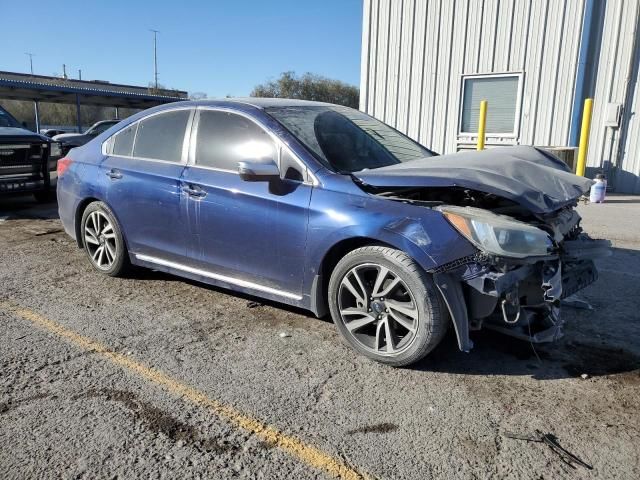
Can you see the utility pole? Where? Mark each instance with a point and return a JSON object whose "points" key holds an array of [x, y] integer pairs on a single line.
{"points": [[79, 74], [155, 55], [64, 71], [30, 60]]}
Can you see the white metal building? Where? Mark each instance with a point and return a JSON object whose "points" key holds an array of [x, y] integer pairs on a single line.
{"points": [[426, 64]]}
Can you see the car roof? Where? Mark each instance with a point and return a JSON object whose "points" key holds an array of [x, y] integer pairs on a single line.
{"points": [[258, 102]]}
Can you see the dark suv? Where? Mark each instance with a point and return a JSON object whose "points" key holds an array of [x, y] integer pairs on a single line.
{"points": [[27, 160]]}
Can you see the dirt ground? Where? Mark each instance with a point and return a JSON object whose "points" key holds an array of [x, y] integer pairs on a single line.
{"points": [[156, 377]]}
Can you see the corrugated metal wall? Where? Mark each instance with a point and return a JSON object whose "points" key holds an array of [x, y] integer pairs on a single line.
{"points": [[415, 53], [618, 149]]}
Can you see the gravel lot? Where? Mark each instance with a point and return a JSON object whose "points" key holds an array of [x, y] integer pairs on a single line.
{"points": [[69, 409]]}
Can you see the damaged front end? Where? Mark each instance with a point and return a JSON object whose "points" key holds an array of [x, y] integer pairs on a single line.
{"points": [[526, 264], [520, 295], [517, 206]]}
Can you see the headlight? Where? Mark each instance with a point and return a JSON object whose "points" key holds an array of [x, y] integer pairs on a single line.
{"points": [[56, 151], [498, 234]]}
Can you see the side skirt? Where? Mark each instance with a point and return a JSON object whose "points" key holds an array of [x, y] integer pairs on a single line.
{"points": [[219, 280]]}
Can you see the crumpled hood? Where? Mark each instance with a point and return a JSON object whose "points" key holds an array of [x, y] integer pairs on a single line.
{"points": [[528, 176], [15, 134]]}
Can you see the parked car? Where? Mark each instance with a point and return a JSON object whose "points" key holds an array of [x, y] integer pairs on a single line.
{"points": [[325, 208], [52, 132], [27, 160], [72, 140]]}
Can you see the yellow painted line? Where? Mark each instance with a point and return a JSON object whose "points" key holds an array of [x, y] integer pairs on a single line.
{"points": [[308, 454]]}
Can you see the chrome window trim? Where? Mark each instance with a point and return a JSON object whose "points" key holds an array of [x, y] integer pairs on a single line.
{"points": [[107, 145], [216, 276], [278, 143]]}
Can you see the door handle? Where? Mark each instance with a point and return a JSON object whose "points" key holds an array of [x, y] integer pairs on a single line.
{"points": [[114, 174], [194, 191]]}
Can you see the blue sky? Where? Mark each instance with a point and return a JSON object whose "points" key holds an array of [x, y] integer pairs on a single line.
{"points": [[220, 47]]}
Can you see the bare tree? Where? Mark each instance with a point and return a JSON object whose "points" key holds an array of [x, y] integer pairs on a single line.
{"points": [[309, 87], [197, 96]]}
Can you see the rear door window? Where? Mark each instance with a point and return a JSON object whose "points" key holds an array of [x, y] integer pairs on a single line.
{"points": [[225, 138], [161, 137]]}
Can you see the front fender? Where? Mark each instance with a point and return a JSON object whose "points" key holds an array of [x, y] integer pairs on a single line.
{"points": [[422, 233]]}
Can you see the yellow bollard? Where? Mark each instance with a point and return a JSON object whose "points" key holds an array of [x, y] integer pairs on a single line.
{"points": [[584, 137], [482, 123]]}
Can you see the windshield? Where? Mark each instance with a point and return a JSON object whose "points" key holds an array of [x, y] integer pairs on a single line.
{"points": [[98, 128], [7, 120], [346, 140]]}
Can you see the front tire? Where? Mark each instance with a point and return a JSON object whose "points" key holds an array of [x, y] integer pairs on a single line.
{"points": [[103, 241], [385, 306]]}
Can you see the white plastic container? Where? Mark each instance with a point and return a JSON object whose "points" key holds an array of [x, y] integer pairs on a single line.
{"points": [[598, 190]]}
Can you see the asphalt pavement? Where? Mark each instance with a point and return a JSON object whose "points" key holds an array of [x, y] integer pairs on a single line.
{"points": [[152, 376]]}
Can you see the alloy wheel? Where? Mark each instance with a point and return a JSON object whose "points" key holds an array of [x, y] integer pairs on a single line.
{"points": [[378, 309], [100, 240]]}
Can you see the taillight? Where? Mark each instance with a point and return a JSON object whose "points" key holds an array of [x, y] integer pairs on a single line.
{"points": [[63, 164]]}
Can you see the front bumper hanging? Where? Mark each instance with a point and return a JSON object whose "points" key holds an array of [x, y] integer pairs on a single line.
{"points": [[514, 297]]}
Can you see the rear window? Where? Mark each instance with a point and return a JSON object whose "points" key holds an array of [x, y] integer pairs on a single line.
{"points": [[160, 137], [98, 129], [123, 141]]}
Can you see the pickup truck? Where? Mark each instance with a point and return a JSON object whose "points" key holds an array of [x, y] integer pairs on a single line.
{"points": [[28, 160]]}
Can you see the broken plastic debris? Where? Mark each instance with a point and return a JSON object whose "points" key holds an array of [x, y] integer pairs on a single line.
{"points": [[284, 335], [584, 376]]}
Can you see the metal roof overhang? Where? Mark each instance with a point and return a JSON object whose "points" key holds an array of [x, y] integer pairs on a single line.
{"points": [[44, 92]]}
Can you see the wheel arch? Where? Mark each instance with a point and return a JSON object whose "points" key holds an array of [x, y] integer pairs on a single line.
{"points": [[320, 283], [82, 206], [77, 219]]}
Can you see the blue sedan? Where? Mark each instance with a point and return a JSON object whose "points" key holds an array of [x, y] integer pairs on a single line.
{"points": [[325, 208]]}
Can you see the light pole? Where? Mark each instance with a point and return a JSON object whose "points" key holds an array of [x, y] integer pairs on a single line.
{"points": [[155, 55], [30, 60]]}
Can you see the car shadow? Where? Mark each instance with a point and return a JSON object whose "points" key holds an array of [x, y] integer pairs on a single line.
{"points": [[25, 207], [498, 354], [588, 348], [252, 301]]}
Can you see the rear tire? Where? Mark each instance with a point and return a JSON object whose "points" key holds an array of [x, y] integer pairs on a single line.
{"points": [[385, 306], [103, 241]]}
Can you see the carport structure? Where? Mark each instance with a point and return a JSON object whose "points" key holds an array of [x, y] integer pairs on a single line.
{"points": [[41, 88]]}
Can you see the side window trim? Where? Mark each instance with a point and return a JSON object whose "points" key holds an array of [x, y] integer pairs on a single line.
{"points": [[305, 170], [310, 179], [107, 145]]}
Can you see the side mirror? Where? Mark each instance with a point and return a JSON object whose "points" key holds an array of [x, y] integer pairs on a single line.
{"points": [[256, 171]]}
